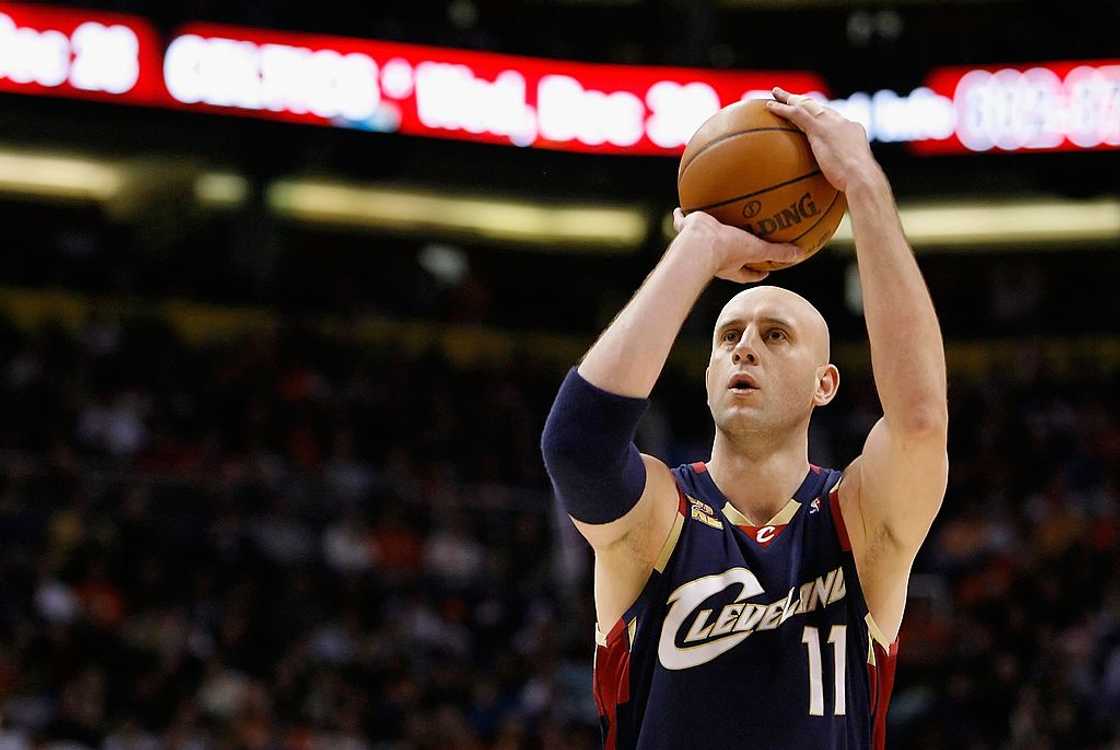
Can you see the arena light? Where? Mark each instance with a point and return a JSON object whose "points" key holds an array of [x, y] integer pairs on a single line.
{"points": [[593, 228], [220, 189], [59, 176], [88, 178], [1038, 222]]}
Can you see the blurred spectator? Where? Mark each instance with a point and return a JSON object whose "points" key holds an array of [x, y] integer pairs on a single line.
{"points": [[293, 543]]}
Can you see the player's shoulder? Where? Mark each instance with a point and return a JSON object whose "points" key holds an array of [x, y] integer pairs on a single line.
{"points": [[822, 481], [688, 470], [829, 503], [689, 477]]}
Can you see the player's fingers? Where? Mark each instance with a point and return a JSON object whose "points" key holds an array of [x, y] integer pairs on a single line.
{"points": [[777, 252], [780, 94], [678, 219], [797, 115], [747, 275], [809, 104]]}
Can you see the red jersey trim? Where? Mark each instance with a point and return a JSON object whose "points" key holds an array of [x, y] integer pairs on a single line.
{"points": [[763, 536], [881, 679], [612, 680]]}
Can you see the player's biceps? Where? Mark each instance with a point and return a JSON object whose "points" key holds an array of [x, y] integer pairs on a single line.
{"points": [[888, 452]]}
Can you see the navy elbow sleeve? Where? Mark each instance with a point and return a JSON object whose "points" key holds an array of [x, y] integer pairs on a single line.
{"points": [[588, 447]]}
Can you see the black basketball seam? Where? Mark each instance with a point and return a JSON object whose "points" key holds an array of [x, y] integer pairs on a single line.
{"points": [[805, 176], [819, 218], [724, 137]]}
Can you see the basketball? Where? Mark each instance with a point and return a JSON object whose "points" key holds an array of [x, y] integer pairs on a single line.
{"points": [[751, 169]]}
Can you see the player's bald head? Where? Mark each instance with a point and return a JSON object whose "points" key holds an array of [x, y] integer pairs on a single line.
{"points": [[782, 304]]}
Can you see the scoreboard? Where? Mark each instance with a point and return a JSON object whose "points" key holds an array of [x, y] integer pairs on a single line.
{"points": [[524, 101]]}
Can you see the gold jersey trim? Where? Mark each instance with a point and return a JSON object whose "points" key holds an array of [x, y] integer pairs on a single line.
{"points": [[670, 544], [782, 517], [876, 633]]}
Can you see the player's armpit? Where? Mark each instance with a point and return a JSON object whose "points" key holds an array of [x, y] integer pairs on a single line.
{"points": [[627, 550]]}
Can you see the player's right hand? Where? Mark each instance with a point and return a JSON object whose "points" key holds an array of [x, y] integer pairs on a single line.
{"points": [[735, 255]]}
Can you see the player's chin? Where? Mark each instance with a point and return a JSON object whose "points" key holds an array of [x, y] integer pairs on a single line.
{"points": [[741, 412]]}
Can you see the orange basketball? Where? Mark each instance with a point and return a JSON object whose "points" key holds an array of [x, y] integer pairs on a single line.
{"points": [[752, 169]]}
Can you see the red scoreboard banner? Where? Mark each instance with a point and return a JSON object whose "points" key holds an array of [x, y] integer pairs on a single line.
{"points": [[1069, 106], [450, 93], [524, 101], [80, 54]]}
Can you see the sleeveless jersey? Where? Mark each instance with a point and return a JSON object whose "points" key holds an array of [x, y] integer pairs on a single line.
{"points": [[747, 637]]}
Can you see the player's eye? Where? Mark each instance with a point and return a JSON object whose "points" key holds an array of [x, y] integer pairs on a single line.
{"points": [[730, 335], [776, 334]]}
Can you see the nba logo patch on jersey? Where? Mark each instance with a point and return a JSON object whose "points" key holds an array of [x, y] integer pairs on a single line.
{"points": [[815, 506]]}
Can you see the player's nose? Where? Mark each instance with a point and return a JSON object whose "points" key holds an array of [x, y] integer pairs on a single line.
{"points": [[745, 351]]}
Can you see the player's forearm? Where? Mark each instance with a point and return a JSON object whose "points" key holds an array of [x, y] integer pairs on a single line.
{"points": [[588, 439], [628, 357], [907, 352]]}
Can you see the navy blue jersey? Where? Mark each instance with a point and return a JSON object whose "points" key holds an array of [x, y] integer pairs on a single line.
{"points": [[752, 637]]}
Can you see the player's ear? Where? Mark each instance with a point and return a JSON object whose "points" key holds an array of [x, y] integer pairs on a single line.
{"points": [[706, 371], [828, 383]]}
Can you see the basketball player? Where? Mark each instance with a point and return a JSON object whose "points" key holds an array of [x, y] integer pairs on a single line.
{"points": [[754, 601]]}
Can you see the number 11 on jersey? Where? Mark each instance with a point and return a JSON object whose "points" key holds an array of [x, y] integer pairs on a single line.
{"points": [[812, 640]]}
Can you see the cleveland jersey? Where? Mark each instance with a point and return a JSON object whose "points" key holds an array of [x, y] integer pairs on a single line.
{"points": [[747, 637]]}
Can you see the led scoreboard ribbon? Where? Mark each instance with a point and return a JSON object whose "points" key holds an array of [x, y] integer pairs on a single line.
{"points": [[454, 93], [1041, 106], [78, 54], [523, 101]]}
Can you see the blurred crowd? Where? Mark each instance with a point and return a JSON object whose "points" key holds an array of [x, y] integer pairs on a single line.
{"points": [[295, 542]]}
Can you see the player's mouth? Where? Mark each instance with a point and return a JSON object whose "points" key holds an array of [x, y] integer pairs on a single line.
{"points": [[741, 382]]}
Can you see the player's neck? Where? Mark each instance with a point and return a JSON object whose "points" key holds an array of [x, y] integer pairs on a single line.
{"points": [[759, 479]]}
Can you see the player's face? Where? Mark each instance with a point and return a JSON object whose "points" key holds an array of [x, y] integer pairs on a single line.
{"points": [[769, 363]]}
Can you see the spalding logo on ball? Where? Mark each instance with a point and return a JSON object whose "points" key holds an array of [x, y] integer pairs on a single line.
{"points": [[751, 169]]}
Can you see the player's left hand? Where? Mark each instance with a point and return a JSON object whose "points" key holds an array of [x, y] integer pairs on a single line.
{"points": [[840, 145]]}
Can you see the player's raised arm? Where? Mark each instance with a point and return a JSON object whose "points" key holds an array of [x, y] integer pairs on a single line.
{"points": [[897, 484], [587, 444]]}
